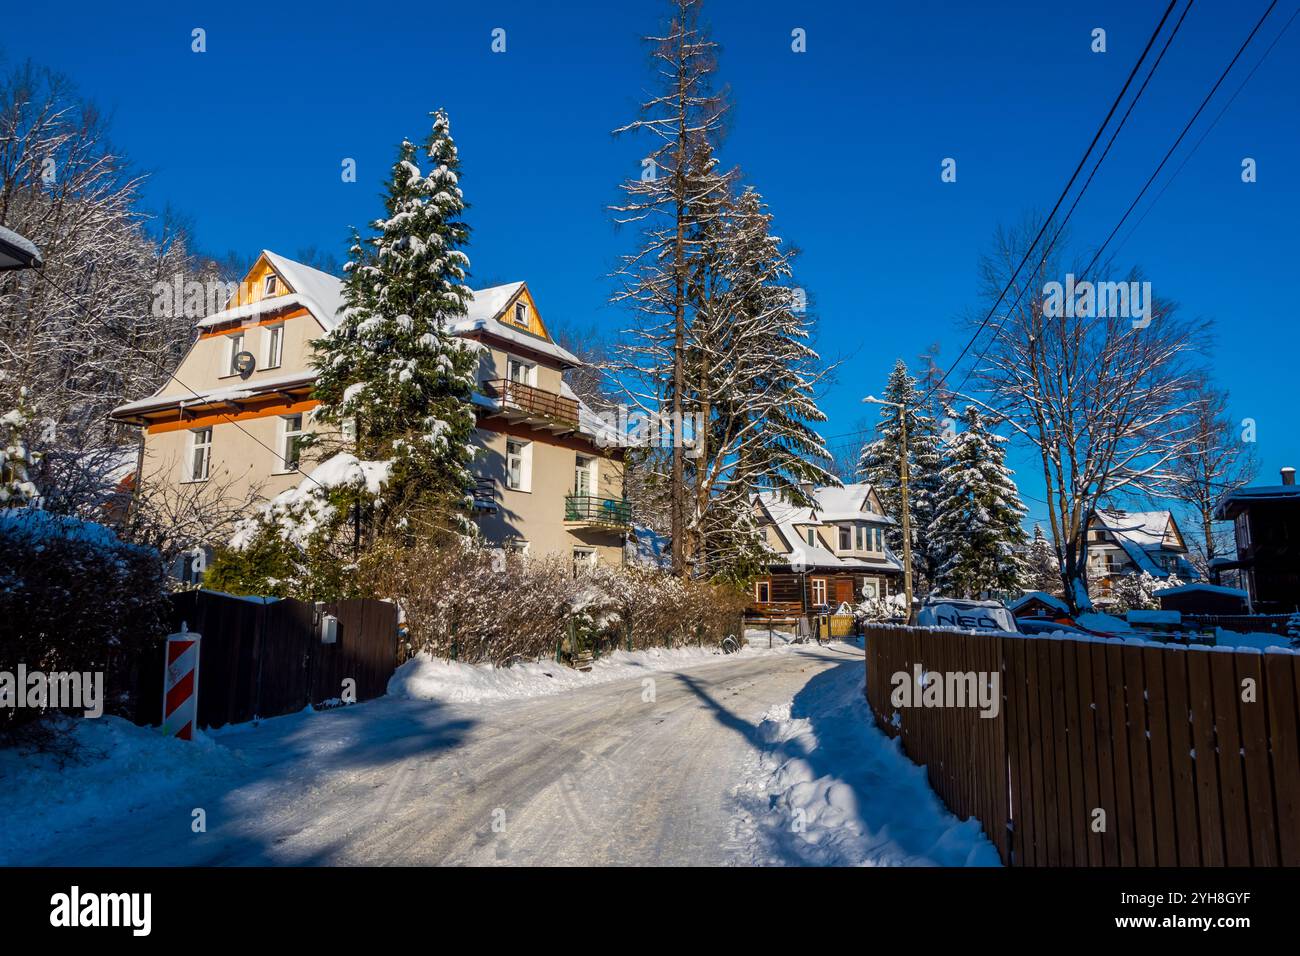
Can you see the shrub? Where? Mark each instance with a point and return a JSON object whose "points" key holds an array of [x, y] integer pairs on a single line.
{"points": [[75, 598], [476, 604]]}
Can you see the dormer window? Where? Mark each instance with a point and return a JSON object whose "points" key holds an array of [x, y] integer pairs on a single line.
{"points": [[270, 285], [812, 538], [521, 314]]}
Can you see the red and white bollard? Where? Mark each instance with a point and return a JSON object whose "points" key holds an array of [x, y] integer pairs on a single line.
{"points": [[181, 685]]}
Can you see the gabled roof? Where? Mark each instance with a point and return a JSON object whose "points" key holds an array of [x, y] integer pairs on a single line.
{"points": [[484, 315], [318, 292], [1143, 533], [851, 503]]}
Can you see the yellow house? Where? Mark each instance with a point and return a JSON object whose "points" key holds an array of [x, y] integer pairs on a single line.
{"points": [[227, 424]]}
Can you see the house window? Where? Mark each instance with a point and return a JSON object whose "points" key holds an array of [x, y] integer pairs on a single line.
{"points": [[584, 475], [521, 314], [521, 372], [846, 538], [200, 454], [270, 285], [236, 346], [862, 537], [812, 538], [519, 455], [516, 545], [877, 539], [583, 558], [274, 337], [819, 591], [290, 441], [762, 592], [871, 588]]}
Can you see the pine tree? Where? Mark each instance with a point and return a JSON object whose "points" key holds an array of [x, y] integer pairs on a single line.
{"points": [[16, 456], [976, 532], [1042, 570], [391, 370], [880, 465]]}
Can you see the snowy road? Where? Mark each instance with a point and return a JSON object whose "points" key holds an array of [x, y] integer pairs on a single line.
{"points": [[598, 775]]}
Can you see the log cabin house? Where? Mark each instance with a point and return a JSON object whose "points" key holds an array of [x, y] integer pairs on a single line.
{"points": [[830, 554], [229, 421]]}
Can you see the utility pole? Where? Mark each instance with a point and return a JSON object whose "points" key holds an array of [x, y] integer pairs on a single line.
{"points": [[904, 473]]}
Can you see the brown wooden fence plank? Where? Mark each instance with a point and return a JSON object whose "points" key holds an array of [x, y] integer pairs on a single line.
{"points": [[1157, 722], [1018, 742], [1106, 798], [1060, 754], [1049, 822], [1280, 687], [1255, 761], [1208, 801], [1123, 821], [1139, 756], [1182, 768], [1232, 779], [1079, 807], [1086, 731]]}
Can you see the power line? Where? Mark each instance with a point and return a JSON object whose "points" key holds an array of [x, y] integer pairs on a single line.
{"points": [[1214, 122], [1060, 199], [131, 345]]}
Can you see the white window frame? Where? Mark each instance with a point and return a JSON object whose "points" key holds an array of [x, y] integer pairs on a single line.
{"points": [[818, 584], [235, 342], [270, 284], [195, 446], [521, 310], [517, 546], [583, 558], [286, 435], [525, 456], [529, 371], [766, 585], [590, 469], [273, 349]]}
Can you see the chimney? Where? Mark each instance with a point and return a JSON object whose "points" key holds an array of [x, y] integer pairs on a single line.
{"points": [[1288, 475], [808, 488]]}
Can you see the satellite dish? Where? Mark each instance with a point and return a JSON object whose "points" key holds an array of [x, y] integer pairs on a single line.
{"points": [[244, 364]]}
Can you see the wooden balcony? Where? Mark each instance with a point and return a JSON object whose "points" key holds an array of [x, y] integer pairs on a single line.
{"points": [[533, 406], [588, 511]]}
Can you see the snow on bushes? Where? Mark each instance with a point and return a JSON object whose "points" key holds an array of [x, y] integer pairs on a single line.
{"points": [[475, 604], [74, 598]]}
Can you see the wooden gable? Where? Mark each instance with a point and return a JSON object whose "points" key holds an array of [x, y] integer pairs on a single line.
{"points": [[535, 325]]}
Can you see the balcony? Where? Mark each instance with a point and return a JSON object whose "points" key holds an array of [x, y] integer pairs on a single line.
{"points": [[533, 406], [587, 511], [484, 493]]}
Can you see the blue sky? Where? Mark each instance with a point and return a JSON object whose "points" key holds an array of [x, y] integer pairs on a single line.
{"points": [[845, 141]]}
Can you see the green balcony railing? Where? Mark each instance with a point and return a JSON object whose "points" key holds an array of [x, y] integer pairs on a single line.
{"points": [[607, 512]]}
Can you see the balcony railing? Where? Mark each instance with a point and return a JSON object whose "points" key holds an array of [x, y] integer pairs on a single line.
{"points": [[484, 492], [527, 401], [598, 512]]}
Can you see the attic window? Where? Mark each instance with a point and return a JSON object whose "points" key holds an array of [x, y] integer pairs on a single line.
{"points": [[269, 286], [521, 314]]}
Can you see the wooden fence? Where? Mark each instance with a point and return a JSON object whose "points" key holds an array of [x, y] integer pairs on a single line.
{"points": [[1191, 754], [263, 659]]}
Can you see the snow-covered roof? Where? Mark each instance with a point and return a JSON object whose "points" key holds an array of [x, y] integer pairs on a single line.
{"points": [[848, 503], [1050, 600], [1198, 587], [231, 393], [318, 292], [18, 252], [1141, 534], [1224, 509], [484, 315]]}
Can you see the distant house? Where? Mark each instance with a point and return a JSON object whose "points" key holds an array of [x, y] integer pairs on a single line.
{"points": [[1202, 598], [1266, 521], [831, 553], [1039, 604], [1130, 542]]}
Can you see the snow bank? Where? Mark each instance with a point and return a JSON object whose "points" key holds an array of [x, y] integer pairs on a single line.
{"points": [[832, 790], [430, 678], [116, 768]]}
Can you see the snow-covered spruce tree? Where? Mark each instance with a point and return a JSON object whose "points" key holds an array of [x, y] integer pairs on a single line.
{"points": [[677, 192], [1042, 570], [752, 377], [391, 370], [976, 533], [880, 465], [1140, 591], [16, 457]]}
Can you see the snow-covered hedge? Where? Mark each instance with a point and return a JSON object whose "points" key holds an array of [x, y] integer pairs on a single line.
{"points": [[74, 598], [475, 604]]}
